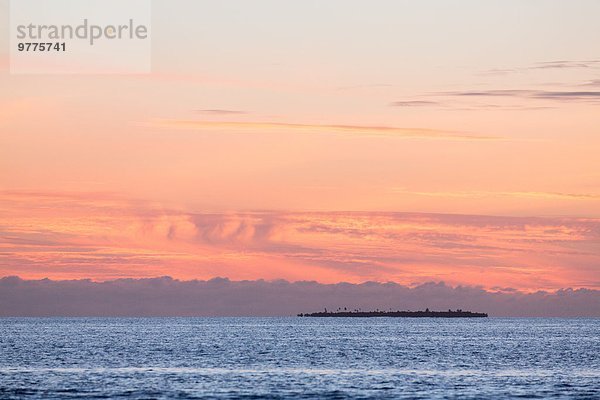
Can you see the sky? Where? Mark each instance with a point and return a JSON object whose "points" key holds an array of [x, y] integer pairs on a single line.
{"points": [[338, 141]]}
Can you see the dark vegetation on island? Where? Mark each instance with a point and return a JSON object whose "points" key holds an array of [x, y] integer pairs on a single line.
{"points": [[405, 314]]}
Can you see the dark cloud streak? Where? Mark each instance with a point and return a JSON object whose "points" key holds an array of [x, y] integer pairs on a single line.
{"points": [[579, 96]]}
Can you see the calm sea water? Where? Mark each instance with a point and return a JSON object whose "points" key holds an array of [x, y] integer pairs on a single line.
{"points": [[299, 357]]}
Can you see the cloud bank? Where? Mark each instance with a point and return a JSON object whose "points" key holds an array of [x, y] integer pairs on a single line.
{"points": [[221, 297]]}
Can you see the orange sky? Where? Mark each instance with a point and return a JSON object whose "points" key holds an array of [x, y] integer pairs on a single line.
{"points": [[104, 236], [331, 153]]}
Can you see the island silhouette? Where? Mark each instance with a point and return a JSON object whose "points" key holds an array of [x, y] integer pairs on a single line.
{"points": [[401, 314]]}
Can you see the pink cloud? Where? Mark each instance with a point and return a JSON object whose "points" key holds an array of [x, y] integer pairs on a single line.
{"points": [[102, 237]]}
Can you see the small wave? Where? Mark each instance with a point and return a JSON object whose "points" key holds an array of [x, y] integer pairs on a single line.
{"points": [[526, 372]]}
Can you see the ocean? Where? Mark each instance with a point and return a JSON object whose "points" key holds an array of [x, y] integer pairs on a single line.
{"points": [[291, 357]]}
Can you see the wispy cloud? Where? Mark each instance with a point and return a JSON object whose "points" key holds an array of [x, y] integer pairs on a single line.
{"points": [[453, 105], [220, 112], [521, 194], [366, 130], [414, 103], [592, 83], [365, 86], [546, 65], [495, 99], [565, 64], [585, 96]]}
